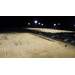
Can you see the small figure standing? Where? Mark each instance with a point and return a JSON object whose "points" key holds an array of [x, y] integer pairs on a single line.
{"points": [[34, 41], [28, 43], [20, 43], [15, 43], [65, 45]]}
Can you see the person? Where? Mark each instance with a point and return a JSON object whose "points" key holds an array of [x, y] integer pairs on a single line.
{"points": [[65, 45], [28, 43], [20, 43], [15, 43]]}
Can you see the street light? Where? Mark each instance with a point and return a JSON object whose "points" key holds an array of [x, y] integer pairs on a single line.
{"points": [[42, 24], [28, 23], [54, 24], [35, 23], [58, 23], [39, 23]]}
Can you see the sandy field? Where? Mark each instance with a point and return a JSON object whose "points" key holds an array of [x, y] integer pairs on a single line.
{"points": [[27, 45], [50, 30]]}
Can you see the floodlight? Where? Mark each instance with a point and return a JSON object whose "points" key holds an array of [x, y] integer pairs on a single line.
{"points": [[58, 23], [54, 24], [28, 23], [35, 21], [42, 24], [39, 23]]}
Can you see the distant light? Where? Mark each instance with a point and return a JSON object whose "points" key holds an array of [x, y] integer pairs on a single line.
{"points": [[28, 23], [58, 23], [74, 25], [54, 24], [42, 24], [39, 23], [35, 21]]}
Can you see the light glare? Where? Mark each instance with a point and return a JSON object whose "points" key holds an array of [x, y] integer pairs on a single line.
{"points": [[35, 21], [58, 23], [42, 24], [54, 24], [39, 23], [28, 23]]}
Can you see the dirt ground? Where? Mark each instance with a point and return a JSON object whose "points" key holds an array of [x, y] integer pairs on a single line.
{"points": [[26, 45]]}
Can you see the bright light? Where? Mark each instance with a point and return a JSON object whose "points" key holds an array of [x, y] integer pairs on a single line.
{"points": [[74, 25], [54, 24], [28, 23], [35, 21]]}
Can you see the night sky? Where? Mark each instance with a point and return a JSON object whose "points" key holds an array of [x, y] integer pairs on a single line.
{"points": [[67, 22]]}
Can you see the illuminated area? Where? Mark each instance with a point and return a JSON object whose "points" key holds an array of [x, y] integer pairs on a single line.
{"points": [[51, 30], [33, 44], [37, 37]]}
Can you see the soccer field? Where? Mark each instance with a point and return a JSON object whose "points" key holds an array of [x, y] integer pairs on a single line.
{"points": [[31, 46]]}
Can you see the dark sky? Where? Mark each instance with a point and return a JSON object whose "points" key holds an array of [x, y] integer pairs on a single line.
{"points": [[48, 21]]}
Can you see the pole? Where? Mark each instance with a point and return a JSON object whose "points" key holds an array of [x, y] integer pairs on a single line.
{"points": [[35, 24], [35, 27]]}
